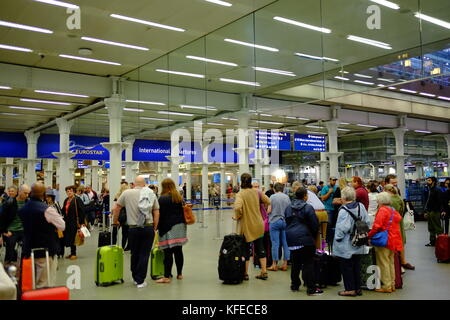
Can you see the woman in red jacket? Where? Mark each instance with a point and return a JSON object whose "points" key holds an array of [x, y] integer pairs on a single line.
{"points": [[385, 255]]}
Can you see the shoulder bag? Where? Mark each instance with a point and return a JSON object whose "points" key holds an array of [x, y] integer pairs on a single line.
{"points": [[380, 239], [408, 219], [79, 236], [189, 217], [264, 215]]}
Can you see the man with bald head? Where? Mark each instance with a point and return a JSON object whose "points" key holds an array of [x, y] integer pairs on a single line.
{"points": [[142, 209], [40, 224], [10, 222]]}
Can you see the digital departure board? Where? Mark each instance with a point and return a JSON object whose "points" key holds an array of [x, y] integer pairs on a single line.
{"points": [[309, 142], [273, 140]]}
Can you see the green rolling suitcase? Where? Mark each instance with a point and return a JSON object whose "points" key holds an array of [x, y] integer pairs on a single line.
{"points": [[156, 260]]}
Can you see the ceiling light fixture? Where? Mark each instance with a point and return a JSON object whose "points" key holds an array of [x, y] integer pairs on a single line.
{"points": [[301, 24], [247, 83], [386, 80], [370, 42], [289, 117], [265, 115], [308, 56], [156, 119], [59, 4], [187, 74], [133, 109], [222, 3], [45, 101], [26, 108], [362, 76], [212, 61], [269, 122], [7, 47], [342, 129], [432, 20], [388, 4], [176, 113], [314, 132], [341, 78], [198, 107], [305, 119], [24, 27], [146, 102], [392, 88], [149, 23], [444, 98], [9, 114], [89, 59], [422, 131], [248, 44], [314, 127], [5, 88], [364, 82], [61, 93], [366, 125], [427, 94], [381, 85], [214, 124], [119, 44], [408, 91], [344, 123], [284, 73]]}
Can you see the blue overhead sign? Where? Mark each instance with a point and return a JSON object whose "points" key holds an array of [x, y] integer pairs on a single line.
{"points": [[309, 142], [13, 145], [273, 140]]}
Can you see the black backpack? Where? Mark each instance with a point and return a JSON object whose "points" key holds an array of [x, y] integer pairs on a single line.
{"points": [[360, 233]]}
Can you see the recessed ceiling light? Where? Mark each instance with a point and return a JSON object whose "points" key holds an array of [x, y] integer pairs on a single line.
{"points": [[146, 102], [344, 123], [133, 109], [176, 113], [248, 44], [26, 108], [149, 23], [289, 117], [381, 85], [427, 94], [24, 27], [222, 3], [187, 74], [8, 47], [265, 115], [341, 78], [308, 56], [422, 131], [408, 91], [314, 127], [314, 132], [345, 72], [155, 119], [214, 124], [386, 80], [45, 102], [366, 125], [269, 122], [182, 106], [59, 4], [289, 130], [363, 82], [89, 59], [212, 61], [9, 114], [114, 43], [247, 83], [305, 119], [388, 4], [444, 98], [61, 93], [370, 42], [303, 25], [362, 76], [282, 72], [432, 20], [342, 129], [392, 88], [5, 88]]}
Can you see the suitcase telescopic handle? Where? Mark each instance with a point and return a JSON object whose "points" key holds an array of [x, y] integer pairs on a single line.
{"points": [[33, 270]]}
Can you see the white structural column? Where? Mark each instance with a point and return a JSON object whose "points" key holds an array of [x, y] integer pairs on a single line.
{"points": [[20, 174], [400, 157], [175, 159], [188, 194], [130, 165], [333, 154], [64, 155], [259, 167], [163, 172], [205, 165], [266, 169], [88, 177], [323, 174], [48, 174], [115, 146], [9, 172], [243, 147], [223, 183], [32, 138], [95, 176], [447, 139], [2, 176]]}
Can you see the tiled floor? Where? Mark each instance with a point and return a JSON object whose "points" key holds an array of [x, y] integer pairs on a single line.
{"points": [[430, 280]]}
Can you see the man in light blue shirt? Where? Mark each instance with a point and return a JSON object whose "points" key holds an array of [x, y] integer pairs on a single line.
{"points": [[327, 195]]}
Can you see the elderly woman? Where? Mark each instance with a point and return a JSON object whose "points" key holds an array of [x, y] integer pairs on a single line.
{"points": [[387, 218], [349, 255]]}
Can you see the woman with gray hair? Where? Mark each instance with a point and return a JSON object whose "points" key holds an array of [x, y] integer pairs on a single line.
{"points": [[349, 255], [387, 218]]}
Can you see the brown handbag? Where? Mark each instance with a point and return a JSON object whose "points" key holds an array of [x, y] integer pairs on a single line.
{"points": [[189, 217]]}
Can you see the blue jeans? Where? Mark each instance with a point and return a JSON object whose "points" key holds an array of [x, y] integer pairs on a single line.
{"points": [[276, 228], [140, 242]]}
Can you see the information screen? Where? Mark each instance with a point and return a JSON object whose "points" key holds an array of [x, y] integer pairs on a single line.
{"points": [[266, 139], [309, 142]]}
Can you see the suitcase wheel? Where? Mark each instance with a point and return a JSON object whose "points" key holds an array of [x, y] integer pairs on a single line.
{"points": [[121, 281]]}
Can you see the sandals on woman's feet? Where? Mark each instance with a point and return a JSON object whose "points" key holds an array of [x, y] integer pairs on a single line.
{"points": [[246, 277], [163, 280], [273, 268], [347, 294], [262, 276], [179, 277], [284, 268]]}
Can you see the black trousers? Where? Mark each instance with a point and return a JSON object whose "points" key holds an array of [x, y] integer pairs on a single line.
{"points": [[446, 222], [10, 242], [124, 235], [73, 250], [303, 260], [169, 254], [351, 272], [258, 244], [140, 241]]}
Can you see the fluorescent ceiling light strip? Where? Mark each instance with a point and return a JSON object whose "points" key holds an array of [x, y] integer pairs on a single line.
{"points": [[330, 59], [222, 3], [149, 23], [388, 4], [176, 113], [269, 122], [214, 124], [289, 117], [409, 91], [5, 88], [45, 101], [9, 114], [342, 129], [422, 131], [314, 127], [303, 119], [156, 119], [24, 27], [364, 82], [59, 4], [212, 61], [341, 78], [370, 42], [386, 80], [285, 73], [427, 94], [61, 93], [315, 57], [26, 108], [89, 59], [344, 123], [146, 102], [444, 98], [265, 115], [366, 125], [362, 76], [381, 85], [315, 132], [247, 83], [303, 25], [119, 44], [247, 44], [198, 107], [8, 47], [436, 21], [187, 74], [290, 130], [344, 72], [133, 109], [392, 88]]}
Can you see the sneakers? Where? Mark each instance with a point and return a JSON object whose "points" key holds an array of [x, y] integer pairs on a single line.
{"points": [[142, 285], [314, 292], [429, 244]]}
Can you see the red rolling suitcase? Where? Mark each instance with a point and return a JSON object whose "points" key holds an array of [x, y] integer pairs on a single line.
{"points": [[442, 248], [55, 293]]}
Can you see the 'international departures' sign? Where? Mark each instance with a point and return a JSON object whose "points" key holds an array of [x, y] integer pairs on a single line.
{"points": [[309, 142]]}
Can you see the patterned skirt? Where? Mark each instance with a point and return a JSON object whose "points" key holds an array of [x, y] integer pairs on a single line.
{"points": [[174, 237]]}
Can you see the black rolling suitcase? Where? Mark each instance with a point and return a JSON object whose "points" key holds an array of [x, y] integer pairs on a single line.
{"points": [[232, 259], [104, 237], [326, 270]]}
